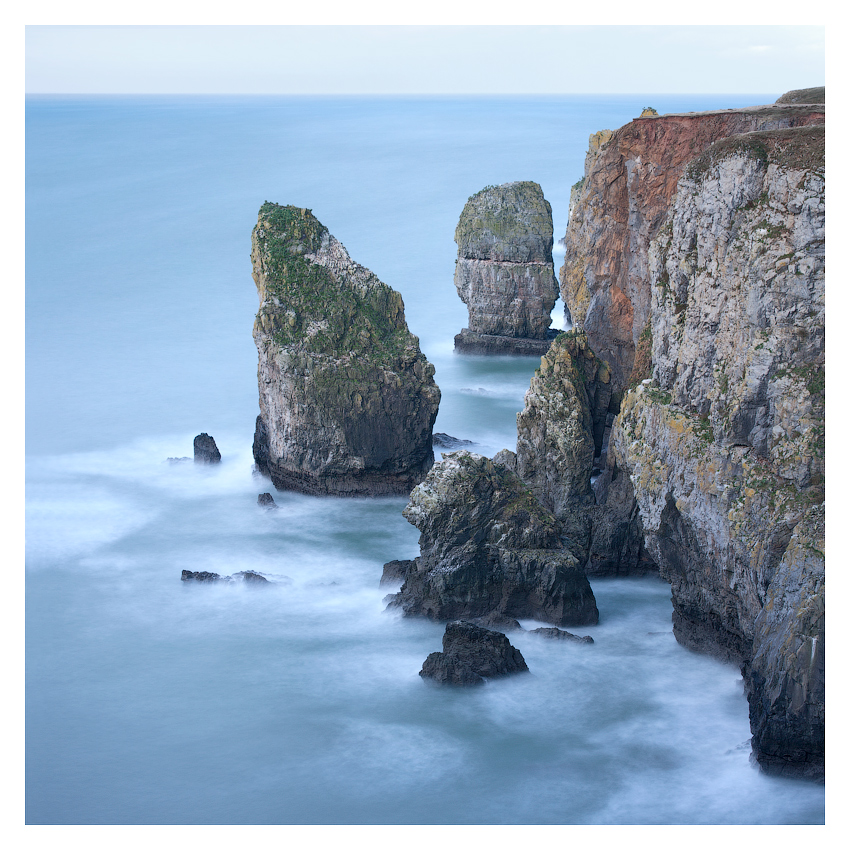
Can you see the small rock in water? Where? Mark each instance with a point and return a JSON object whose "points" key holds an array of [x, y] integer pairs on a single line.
{"points": [[471, 655], [251, 577], [178, 459], [265, 500], [188, 575], [560, 634], [446, 441], [206, 450]]}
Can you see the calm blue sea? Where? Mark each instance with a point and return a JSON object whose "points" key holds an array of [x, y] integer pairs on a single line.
{"points": [[153, 702]]}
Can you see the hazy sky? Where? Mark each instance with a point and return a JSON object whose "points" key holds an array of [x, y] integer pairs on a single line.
{"points": [[423, 59]]}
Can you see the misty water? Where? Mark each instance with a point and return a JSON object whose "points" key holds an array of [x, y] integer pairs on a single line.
{"points": [[150, 700]]}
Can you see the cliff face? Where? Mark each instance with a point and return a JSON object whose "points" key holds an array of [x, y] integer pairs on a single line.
{"points": [[347, 400], [619, 206], [725, 444], [504, 271]]}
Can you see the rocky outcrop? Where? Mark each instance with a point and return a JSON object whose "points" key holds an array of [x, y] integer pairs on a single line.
{"points": [[560, 634], [206, 451], [561, 430], [488, 547], [471, 655], [619, 206], [347, 399], [266, 500], [504, 271], [724, 446], [248, 576], [445, 441]]}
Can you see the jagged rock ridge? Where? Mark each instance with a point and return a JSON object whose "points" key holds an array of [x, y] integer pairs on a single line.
{"points": [[488, 548], [347, 399]]}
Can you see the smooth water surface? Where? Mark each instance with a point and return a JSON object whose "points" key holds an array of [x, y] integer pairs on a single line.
{"points": [[153, 701]]}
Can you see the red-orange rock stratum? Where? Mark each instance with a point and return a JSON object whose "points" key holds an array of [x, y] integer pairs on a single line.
{"points": [[629, 184]]}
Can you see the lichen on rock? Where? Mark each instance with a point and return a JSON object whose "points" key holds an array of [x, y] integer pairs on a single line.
{"points": [[488, 547], [347, 399], [504, 271]]}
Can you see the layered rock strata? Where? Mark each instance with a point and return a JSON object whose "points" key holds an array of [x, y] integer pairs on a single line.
{"points": [[347, 399], [724, 446], [619, 206], [489, 548], [471, 655], [504, 271]]}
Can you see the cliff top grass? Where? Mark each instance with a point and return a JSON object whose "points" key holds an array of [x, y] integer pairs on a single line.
{"points": [[317, 310], [812, 95], [511, 222], [794, 147]]}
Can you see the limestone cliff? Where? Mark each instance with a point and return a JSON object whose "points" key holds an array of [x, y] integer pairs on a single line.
{"points": [[504, 271], [347, 399], [488, 548], [619, 206], [725, 444]]}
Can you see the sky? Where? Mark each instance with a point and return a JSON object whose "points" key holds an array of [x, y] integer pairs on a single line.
{"points": [[538, 58]]}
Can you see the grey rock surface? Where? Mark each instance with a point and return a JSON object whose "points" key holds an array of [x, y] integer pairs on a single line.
{"points": [[347, 399], [504, 271]]}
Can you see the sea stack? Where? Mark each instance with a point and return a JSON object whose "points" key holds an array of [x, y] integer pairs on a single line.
{"points": [[504, 272], [347, 399], [489, 549]]}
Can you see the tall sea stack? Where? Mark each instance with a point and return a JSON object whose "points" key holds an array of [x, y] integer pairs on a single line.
{"points": [[347, 399], [504, 272]]}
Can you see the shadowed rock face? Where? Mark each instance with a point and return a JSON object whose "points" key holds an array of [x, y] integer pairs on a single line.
{"points": [[504, 272], [488, 547], [471, 655], [619, 207], [206, 451], [560, 430], [347, 399]]}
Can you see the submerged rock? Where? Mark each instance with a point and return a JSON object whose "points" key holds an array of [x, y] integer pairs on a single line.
{"points": [[206, 451], [347, 399], [471, 655], [560, 634], [265, 500], [488, 547], [246, 576], [504, 271]]}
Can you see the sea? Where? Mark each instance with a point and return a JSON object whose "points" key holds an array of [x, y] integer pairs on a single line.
{"points": [[155, 701]]}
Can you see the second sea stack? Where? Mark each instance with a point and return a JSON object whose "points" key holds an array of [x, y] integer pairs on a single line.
{"points": [[347, 399], [504, 272]]}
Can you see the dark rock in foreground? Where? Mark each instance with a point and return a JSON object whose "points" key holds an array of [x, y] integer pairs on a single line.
{"points": [[489, 548], [206, 450], [265, 500], [471, 655], [560, 634]]}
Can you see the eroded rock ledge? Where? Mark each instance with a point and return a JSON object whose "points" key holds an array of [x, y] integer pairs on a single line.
{"points": [[347, 399], [504, 272], [489, 548]]}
